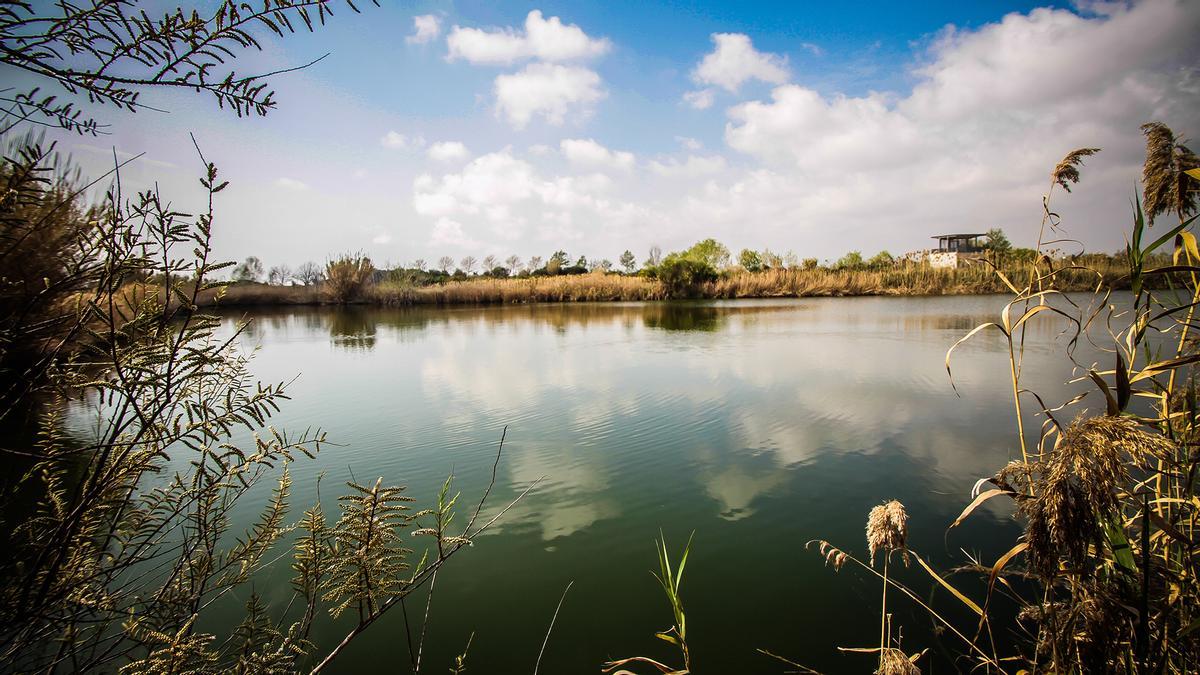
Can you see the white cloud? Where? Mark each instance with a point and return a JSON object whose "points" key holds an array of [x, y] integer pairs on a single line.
{"points": [[812, 48], [972, 145], [689, 143], [734, 60], [426, 28], [291, 184], [586, 152], [700, 99], [549, 90], [543, 39], [499, 195], [382, 238], [693, 167], [447, 232], [448, 151], [395, 140]]}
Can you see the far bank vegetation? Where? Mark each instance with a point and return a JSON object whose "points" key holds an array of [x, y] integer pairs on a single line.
{"points": [[706, 270]]}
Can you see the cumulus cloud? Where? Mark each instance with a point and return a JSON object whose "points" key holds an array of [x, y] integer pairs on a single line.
{"points": [[701, 99], [426, 28], [543, 39], [448, 151], [499, 195], [549, 90], [972, 144], [734, 60], [447, 232], [395, 140], [586, 152]]}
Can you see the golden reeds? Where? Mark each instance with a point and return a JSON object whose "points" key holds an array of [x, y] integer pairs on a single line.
{"points": [[1166, 187], [896, 662], [1078, 486], [1066, 172], [887, 530]]}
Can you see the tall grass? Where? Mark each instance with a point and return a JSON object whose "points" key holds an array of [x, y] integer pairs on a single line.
{"points": [[904, 279], [1104, 573]]}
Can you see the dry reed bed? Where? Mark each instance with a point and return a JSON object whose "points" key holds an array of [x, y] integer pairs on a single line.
{"points": [[598, 287]]}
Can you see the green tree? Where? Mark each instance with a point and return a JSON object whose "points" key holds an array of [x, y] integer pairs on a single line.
{"points": [[996, 241], [681, 274], [628, 261], [709, 251], [881, 260], [750, 260], [851, 261]]}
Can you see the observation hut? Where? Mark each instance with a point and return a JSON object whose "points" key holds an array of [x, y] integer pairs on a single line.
{"points": [[956, 249]]}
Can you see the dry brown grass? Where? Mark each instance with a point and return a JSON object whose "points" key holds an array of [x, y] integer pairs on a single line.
{"points": [[596, 287], [600, 287]]}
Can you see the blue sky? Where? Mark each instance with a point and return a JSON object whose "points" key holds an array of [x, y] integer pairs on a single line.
{"points": [[521, 128]]}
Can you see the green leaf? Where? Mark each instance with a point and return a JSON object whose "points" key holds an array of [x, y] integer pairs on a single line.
{"points": [[1123, 388], [1168, 236], [1119, 544]]}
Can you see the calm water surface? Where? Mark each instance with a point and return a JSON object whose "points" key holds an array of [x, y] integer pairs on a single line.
{"points": [[760, 425]]}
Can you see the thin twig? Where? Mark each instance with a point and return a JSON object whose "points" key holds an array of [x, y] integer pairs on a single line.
{"points": [[552, 620]]}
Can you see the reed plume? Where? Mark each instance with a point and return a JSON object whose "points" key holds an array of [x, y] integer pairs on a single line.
{"points": [[895, 662], [1166, 187], [1066, 171], [1078, 486], [887, 530]]}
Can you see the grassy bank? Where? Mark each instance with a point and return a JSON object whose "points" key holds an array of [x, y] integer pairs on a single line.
{"points": [[602, 287]]}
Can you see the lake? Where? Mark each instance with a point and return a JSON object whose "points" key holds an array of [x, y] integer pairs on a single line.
{"points": [[759, 425]]}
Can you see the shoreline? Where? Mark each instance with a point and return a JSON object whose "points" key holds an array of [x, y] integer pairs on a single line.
{"points": [[911, 281]]}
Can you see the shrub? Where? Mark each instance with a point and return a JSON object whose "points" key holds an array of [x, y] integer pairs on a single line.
{"points": [[348, 276], [881, 260], [851, 261], [681, 274], [809, 263]]}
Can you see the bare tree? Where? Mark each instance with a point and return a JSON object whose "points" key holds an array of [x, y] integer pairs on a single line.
{"points": [[279, 275], [310, 273], [419, 263], [489, 263], [535, 262], [468, 264], [445, 263], [655, 256], [513, 263]]}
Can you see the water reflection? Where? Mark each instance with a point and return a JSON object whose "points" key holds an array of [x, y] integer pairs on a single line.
{"points": [[353, 328], [750, 422]]}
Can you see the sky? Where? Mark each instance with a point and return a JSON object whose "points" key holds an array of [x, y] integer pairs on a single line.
{"points": [[501, 128]]}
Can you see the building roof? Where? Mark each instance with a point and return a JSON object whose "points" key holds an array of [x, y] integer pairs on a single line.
{"points": [[959, 236]]}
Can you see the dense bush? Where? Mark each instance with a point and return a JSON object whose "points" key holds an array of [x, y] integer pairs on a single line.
{"points": [[681, 274], [348, 276]]}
